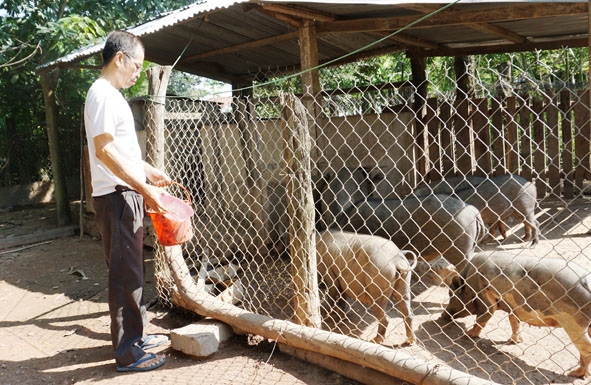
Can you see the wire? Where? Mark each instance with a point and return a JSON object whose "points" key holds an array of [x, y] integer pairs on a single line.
{"points": [[361, 49]]}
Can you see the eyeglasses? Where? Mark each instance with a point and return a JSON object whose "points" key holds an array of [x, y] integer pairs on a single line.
{"points": [[138, 66]]}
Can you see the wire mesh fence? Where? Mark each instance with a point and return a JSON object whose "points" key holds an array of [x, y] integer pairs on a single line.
{"points": [[513, 150]]}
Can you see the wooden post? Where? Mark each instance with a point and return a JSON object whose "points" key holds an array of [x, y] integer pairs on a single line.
{"points": [[155, 110], [540, 149], [553, 146], [464, 137], [419, 80], [309, 61], [567, 143], [525, 120], [300, 207], [512, 136], [498, 139], [482, 142], [582, 143], [448, 165], [310, 80], [155, 153], [433, 140]]}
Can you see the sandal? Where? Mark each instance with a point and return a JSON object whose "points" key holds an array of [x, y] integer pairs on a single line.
{"points": [[135, 367], [152, 341]]}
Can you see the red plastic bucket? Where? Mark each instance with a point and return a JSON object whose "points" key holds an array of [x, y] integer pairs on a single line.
{"points": [[174, 227]]}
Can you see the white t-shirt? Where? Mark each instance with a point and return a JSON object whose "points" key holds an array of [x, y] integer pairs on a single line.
{"points": [[107, 111]]}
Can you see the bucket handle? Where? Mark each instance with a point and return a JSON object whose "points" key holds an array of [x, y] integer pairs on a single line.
{"points": [[188, 200]]}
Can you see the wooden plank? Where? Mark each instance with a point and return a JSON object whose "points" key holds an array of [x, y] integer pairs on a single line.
{"points": [[567, 143], [525, 137], [463, 131], [512, 135], [251, 144], [582, 132], [433, 140], [21, 240], [480, 123], [498, 138], [447, 144], [539, 147], [552, 148]]}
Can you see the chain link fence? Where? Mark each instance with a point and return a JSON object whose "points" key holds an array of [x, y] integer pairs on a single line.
{"points": [[376, 153]]}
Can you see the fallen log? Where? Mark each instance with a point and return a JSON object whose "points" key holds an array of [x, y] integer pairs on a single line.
{"points": [[41, 236], [391, 362]]}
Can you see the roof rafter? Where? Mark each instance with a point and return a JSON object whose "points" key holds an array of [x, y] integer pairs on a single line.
{"points": [[483, 27], [408, 40], [241, 47], [300, 12], [443, 19]]}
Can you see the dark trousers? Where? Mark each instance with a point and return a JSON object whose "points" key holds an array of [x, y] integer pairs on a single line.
{"points": [[119, 217]]}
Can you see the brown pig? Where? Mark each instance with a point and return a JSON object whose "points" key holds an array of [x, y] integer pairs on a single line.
{"points": [[538, 291], [369, 269]]}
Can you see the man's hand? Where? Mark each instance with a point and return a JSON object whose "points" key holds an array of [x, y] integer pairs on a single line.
{"points": [[152, 196], [157, 177]]}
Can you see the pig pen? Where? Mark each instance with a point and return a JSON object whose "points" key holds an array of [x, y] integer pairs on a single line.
{"points": [[231, 259], [544, 357]]}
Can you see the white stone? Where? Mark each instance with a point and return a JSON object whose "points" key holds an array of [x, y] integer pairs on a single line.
{"points": [[200, 339]]}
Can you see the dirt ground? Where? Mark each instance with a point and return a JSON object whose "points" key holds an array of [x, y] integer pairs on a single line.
{"points": [[54, 324]]}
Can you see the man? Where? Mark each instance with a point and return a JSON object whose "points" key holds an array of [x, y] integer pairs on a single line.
{"points": [[119, 189]]}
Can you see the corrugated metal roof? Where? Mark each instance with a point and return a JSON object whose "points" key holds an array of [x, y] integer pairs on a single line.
{"points": [[236, 41], [149, 27]]}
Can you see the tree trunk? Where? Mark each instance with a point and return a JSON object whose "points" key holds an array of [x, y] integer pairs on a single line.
{"points": [[300, 206], [48, 84]]}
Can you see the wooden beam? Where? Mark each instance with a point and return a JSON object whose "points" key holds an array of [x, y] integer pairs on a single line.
{"points": [[42, 236], [423, 8], [503, 48], [475, 19], [409, 40], [483, 27], [294, 22], [498, 31], [448, 18], [242, 47], [300, 12]]}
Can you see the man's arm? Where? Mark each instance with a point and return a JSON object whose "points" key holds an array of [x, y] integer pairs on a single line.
{"points": [[107, 153]]}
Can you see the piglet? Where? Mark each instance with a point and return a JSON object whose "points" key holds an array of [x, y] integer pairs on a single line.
{"points": [[538, 291], [369, 269]]}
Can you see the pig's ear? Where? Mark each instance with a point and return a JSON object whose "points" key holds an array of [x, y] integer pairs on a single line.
{"points": [[456, 282], [328, 176]]}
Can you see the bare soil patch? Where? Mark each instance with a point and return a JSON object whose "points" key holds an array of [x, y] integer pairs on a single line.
{"points": [[54, 326], [54, 323]]}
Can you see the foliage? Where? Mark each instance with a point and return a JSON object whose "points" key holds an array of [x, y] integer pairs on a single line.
{"points": [[33, 33]]}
